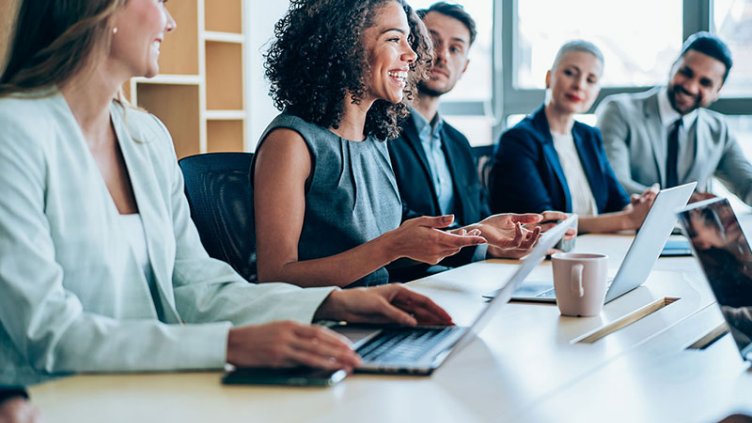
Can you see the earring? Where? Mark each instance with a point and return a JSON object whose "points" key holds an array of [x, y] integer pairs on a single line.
{"points": [[114, 30]]}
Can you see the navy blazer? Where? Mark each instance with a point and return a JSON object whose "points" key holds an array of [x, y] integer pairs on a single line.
{"points": [[527, 176], [418, 193]]}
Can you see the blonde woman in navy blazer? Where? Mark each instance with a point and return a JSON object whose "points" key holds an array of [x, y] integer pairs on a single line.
{"points": [[82, 289], [532, 172]]}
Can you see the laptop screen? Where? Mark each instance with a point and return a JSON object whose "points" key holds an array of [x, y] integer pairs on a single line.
{"points": [[724, 253]]}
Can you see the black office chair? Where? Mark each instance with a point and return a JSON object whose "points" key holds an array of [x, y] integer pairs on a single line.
{"points": [[221, 200], [484, 160]]}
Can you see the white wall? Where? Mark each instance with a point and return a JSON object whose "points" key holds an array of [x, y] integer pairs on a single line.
{"points": [[260, 17]]}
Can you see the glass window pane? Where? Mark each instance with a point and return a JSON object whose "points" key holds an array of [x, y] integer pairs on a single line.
{"points": [[476, 82], [638, 47], [741, 127], [477, 129], [733, 23]]}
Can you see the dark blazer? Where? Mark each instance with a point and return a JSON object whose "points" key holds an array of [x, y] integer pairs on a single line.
{"points": [[414, 175], [527, 176], [418, 194]]}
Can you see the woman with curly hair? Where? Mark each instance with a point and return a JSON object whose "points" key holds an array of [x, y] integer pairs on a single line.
{"points": [[327, 207]]}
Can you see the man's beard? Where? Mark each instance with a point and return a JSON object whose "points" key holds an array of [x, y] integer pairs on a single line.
{"points": [[673, 90], [427, 91]]}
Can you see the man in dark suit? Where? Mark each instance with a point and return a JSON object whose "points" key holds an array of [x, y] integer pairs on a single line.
{"points": [[432, 161]]}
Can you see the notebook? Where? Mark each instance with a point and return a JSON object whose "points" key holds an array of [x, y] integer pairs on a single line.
{"points": [[721, 247], [421, 350], [642, 254]]}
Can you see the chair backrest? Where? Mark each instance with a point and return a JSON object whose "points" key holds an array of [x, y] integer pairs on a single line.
{"points": [[484, 159], [220, 196]]}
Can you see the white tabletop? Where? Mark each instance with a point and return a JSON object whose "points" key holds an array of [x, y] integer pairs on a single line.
{"points": [[526, 366]]}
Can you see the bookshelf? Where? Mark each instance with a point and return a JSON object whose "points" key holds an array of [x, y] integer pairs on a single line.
{"points": [[200, 93]]}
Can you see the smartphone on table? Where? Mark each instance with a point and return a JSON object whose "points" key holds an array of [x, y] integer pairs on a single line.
{"points": [[289, 376]]}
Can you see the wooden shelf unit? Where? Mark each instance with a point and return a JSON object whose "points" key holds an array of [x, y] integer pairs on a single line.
{"points": [[201, 89], [8, 12]]}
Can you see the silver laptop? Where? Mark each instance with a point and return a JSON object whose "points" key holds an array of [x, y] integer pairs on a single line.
{"points": [[724, 253], [421, 350], [642, 254]]}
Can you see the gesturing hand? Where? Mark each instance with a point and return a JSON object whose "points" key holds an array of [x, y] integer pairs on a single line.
{"points": [[422, 240], [391, 303], [552, 218], [506, 235], [700, 196], [18, 410], [639, 207], [285, 344]]}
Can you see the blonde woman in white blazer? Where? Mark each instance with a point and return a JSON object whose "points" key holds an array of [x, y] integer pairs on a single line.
{"points": [[101, 268]]}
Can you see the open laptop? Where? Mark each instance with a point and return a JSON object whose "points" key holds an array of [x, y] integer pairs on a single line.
{"points": [[421, 350], [724, 253], [642, 254]]}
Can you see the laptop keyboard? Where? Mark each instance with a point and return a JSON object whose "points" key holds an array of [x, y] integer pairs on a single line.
{"points": [[402, 345]]}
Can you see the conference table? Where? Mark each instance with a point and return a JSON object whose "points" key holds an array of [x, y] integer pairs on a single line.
{"points": [[652, 355]]}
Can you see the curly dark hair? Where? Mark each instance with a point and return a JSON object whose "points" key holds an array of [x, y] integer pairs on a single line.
{"points": [[317, 58]]}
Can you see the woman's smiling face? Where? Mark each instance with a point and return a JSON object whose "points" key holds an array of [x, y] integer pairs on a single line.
{"points": [[141, 26], [388, 54]]}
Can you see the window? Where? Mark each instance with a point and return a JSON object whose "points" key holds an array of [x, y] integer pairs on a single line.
{"points": [[732, 21], [477, 129], [638, 47], [517, 41], [741, 127]]}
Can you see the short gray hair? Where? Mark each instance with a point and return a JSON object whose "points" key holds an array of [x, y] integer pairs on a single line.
{"points": [[577, 45]]}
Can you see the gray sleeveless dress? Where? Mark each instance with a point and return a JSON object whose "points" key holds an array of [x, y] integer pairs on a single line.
{"points": [[352, 195]]}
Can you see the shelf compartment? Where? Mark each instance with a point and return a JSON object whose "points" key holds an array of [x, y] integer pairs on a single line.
{"points": [[127, 91], [224, 37], [224, 15], [225, 115], [179, 51], [224, 76], [224, 136], [177, 106], [8, 12], [170, 79]]}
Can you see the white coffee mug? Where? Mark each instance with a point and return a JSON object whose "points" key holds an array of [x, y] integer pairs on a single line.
{"points": [[580, 282]]}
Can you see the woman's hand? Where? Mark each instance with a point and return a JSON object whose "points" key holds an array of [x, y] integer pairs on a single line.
{"points": [[701, 196], [286, 344], [391, 303], [639, 207], [552, 218], [507, 235], [422, 239], [18, 410]]}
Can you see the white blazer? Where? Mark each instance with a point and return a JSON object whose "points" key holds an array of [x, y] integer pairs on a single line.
{"points": [[72, 295]]}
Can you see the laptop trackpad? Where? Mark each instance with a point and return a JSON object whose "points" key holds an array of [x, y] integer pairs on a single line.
{"points": [[532, 288], [357, 335]]}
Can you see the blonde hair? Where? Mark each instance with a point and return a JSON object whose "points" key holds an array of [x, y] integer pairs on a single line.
{"points": [[579, 46], [54, 40]]}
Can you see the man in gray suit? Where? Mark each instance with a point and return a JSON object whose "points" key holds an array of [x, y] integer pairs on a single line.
{"points": [[668, 136]]}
